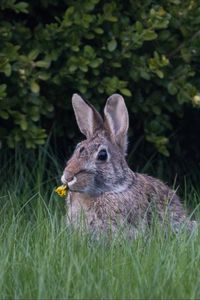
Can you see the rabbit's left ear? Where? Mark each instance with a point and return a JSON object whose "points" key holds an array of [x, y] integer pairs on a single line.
{"points": [[117, 120], [88, 119]]}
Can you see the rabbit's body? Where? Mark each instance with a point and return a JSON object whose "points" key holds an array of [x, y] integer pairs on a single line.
{"points": [[132, 208], [103, 189]]}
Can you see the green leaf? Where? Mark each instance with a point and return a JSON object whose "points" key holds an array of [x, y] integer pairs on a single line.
{"points": [[23, 124], [111, 18], [7, 70], [72, 68], [138, 26], [112, 45], [186, 55], [126, 92], [159, 73], [95, 63], [4, 115], [163, 150], [149, 35], [21, 7], [35, 88], [44, 76], [172, 89], [33, 54], [83, 68], [42, 64], [2, 90], [99, 30]]}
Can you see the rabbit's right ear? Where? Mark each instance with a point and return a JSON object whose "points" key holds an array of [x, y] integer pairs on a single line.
{"points": [[88, 119], [117, 120]]}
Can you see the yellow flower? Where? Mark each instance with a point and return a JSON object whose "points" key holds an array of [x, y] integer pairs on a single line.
{"points": [[61, 190]]}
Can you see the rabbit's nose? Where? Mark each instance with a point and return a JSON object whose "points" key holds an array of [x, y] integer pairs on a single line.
{"points": [[67, 178]]}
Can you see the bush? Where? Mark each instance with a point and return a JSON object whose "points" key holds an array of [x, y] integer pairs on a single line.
{"points": [[50, 49]]}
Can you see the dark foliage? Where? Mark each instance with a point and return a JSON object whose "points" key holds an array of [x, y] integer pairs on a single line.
{"points": [[149, 51]]}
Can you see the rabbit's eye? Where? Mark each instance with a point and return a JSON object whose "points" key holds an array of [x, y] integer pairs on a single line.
{"points": [[102, 155]]}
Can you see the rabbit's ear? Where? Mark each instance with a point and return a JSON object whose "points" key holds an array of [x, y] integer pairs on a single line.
{"points": [[88, 119], [117, 120]]}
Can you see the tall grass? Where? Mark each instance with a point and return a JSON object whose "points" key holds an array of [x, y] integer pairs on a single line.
{"points": [[40, 258]]}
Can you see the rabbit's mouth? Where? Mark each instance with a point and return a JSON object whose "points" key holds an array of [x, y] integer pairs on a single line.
{"points": [[82, 182]]}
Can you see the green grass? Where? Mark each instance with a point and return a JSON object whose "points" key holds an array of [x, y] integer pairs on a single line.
{"points": [[40, 258]]}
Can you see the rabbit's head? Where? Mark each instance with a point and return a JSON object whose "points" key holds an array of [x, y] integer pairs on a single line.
{"points": [[98, 163]]}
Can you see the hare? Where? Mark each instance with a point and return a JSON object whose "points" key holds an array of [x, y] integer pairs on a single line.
{"points": [[102, 187]]}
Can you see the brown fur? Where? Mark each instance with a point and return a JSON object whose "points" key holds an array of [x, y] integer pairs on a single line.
{"points": [[108, 194]]}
